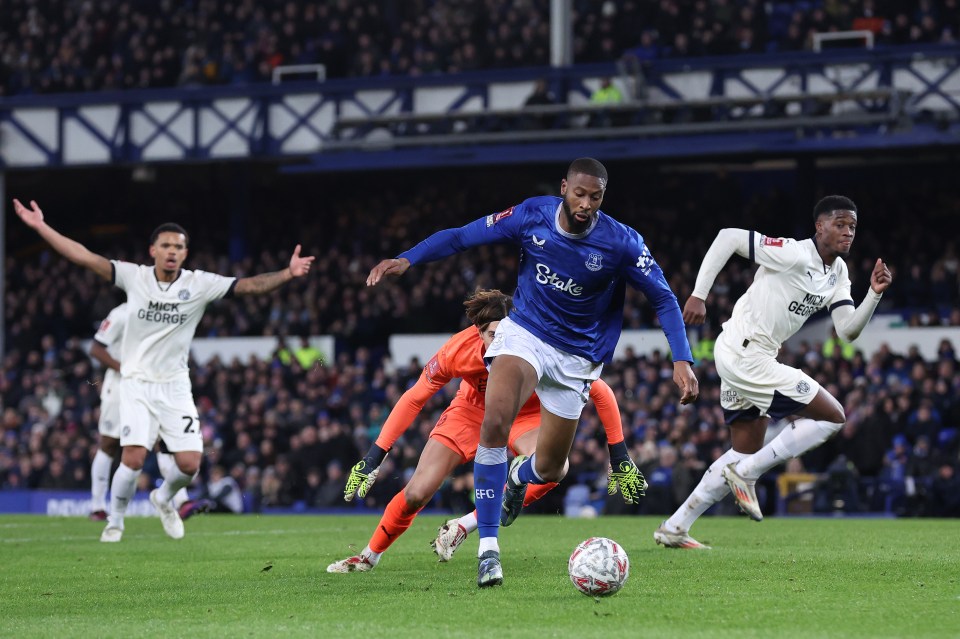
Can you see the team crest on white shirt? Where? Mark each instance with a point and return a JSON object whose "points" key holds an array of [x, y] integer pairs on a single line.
{"points": [[832, 279], [803, 387], [594, 262], [184, 295]]}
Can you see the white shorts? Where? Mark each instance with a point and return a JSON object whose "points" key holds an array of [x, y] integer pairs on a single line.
{"points": [[149, 409], [753, 383], [565, 379], [109, 424]]}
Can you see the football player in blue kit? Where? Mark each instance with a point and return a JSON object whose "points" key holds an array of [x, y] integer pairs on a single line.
{"points": [[568, 314]]}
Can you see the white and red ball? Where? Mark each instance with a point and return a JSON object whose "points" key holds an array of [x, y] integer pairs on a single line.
{"points": [[599, 567]]}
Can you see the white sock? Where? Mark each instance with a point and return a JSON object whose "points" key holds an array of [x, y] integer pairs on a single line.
{"points": [[469, 522], [793, 441], [711, 489], [372, 557], [173, 481], [180, 498], [488, 543], [122, 489], [99, 480]]}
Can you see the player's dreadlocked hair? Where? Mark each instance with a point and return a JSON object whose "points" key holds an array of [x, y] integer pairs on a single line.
{"points": [[588, 166], [833, 203], [487, 305]]}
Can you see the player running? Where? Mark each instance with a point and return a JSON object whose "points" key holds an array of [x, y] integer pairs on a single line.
{"points": [[794, 280], [568, 313], [453, 440]]}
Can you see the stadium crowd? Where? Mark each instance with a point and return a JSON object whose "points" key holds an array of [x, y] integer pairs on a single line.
{"points": [[286, 433], [286, 429], [57, 46]]}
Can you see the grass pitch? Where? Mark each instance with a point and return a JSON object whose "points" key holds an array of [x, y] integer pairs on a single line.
{"points": [[252, 576]]}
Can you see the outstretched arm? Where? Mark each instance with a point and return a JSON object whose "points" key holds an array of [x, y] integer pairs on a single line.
{"points": [[266, 282], [70, 249], [500, 227]]}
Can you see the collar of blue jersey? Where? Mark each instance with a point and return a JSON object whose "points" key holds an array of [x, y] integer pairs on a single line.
{"points": [[573, 236]]}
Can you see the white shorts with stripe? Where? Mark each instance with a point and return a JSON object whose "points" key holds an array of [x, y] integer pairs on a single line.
{"points": [[565, 379], [753, 383], [165, 409]]}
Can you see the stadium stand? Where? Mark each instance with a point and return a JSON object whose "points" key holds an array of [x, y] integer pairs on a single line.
{"points": [[62, 46], [285, 434]]}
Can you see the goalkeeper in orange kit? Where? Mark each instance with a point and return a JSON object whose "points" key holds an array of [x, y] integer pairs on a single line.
{"points": [[453, 440]]}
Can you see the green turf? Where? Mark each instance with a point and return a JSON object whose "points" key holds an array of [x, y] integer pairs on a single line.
{"points": [[780, 578]]}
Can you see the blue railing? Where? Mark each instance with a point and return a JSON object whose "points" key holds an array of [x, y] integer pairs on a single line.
{"points": [[301, 120]]}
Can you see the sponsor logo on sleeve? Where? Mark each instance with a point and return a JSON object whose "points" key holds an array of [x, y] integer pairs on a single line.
{"points": [[645, 261], [496, 217], [771, 241], [431, 369]]}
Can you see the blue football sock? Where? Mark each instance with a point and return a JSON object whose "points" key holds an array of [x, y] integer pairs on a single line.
{"points": [[489, 476], [527, 473]]}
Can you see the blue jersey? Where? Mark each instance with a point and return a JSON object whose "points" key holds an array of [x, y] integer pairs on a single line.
{"points": [[570, 288]]}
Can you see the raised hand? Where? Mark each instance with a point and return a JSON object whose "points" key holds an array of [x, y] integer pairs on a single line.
{"points": [[32, 217], [881, 277], [300, 266]]}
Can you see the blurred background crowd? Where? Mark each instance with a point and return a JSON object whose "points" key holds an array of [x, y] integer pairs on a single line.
{"points": [[287, 428], [52, 46]]}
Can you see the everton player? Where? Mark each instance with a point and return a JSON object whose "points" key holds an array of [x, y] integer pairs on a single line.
{"points": [[795, 279], [453, 440], [567, 317]]}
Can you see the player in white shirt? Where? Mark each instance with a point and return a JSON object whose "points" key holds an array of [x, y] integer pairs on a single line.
{"points": [[795, 279], [165, 303], [106, 350]]}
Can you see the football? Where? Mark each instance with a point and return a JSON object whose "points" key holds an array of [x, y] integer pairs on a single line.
{"points": [[599, 567]]}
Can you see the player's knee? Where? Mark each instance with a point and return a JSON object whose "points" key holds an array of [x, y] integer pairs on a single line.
{"points": [[416, 497], [495, 426], [133, 457], [552, 472], [110, 446], [837, 415], [188, 467]]}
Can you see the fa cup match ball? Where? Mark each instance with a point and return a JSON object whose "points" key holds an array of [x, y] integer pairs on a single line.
{"points": [[599, 567]]}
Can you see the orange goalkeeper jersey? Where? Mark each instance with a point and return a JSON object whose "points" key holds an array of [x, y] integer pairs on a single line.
{"points": [[462, 356]]}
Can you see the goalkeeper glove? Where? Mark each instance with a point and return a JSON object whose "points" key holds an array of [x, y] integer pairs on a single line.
{"points": [[624, 475], [364, 473]]}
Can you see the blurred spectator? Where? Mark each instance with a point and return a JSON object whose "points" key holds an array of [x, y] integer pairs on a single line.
{"points": [[540, 96]]}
